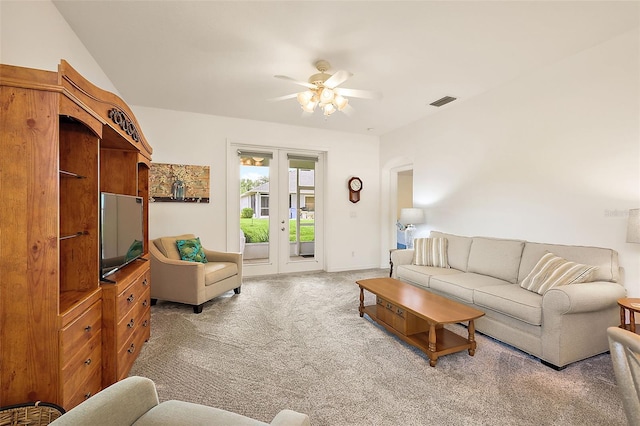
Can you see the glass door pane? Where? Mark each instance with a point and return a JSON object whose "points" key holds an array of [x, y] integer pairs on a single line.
{"points": [[254, 207], [301, 209]]}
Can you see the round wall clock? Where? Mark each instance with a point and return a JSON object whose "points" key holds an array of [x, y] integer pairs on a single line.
{"points": [[355, 186]]}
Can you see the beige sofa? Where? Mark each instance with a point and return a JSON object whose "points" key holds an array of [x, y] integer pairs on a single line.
{"points": [[565, 324], [193, 283], [134, 401]]}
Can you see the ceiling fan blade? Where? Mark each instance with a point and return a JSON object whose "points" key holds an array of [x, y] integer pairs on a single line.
{"points": [[301, 83], [355, 93], [282, 98], [337, 79], [348, 110]]}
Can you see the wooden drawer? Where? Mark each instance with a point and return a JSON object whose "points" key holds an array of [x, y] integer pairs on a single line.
{"points": [[397, 317], [81, 357], [133, 319], [126, 320], [132, 294], [387, 313], [131, 349], [77, 334], [82, 376]]}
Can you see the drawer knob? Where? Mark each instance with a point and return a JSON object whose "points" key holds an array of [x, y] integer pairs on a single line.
{"points": [[87, 328], [87, 395], [145, 283], [145, 302], [131, 298], [131, 323], [145, 323], [88, 361], [132, 348]]}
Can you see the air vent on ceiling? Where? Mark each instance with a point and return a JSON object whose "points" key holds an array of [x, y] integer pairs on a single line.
{"points": [[443, 101]]}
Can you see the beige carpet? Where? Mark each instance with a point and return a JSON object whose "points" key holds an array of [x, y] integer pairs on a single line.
{"points": [[297, 341]]}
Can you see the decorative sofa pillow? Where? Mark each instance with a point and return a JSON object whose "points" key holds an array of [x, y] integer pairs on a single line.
{"points": [[430, 252], [553, 271], [191, 250]]}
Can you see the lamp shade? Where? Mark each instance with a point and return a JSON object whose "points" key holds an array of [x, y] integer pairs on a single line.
{"points": [[633, 226], [411, 216]]}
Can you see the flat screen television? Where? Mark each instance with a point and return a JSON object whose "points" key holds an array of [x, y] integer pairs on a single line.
{"points": [[121, 231]]}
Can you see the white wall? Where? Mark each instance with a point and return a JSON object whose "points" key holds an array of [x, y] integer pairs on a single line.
{"points": [[553, 156], [187, 138], [33, 34]]}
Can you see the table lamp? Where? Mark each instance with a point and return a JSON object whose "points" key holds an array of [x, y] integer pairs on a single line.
{"points": [[411, 217]]}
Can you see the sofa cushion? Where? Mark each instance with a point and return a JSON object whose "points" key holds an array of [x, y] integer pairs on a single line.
{"points": [[430, 252], [457, 249], [553, 271], [496, 258], [462, 286], [605, 259], [420, 275], [218, 271], [176, 412], [168, 247], [511, 300]]}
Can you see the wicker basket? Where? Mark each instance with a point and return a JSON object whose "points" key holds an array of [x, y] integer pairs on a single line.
{"points": [[32, 414]]}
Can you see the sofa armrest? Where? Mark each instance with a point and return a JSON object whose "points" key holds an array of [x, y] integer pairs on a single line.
{"points": [[584, 297], [122, 403], [290, 418], [400, 257]]}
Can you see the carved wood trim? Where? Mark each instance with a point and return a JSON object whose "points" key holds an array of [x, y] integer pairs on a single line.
{"points": [[104, 103]]}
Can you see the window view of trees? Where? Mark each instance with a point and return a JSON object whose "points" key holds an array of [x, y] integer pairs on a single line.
{"points": [[256, 228], [248, 184]]}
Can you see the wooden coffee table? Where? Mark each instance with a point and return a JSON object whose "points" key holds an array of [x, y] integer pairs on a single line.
{"points": [[417, 316]]}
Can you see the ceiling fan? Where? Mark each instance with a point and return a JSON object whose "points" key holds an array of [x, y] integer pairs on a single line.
{"points": [[323, 91]]}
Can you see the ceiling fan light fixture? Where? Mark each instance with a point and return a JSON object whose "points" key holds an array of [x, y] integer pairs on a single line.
{"points": [[326, 95], [309, 106], [340, 102], [329, 109], [323, 91], [305, 97]]}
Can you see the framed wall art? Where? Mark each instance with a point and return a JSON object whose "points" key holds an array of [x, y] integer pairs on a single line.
{"points": [[178, 183]]}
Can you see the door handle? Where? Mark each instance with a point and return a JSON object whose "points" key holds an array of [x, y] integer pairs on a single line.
{"points": [[282, 229]]}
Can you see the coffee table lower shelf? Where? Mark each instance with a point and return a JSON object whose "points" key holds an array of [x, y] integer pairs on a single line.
{"points": [[446, 341]]}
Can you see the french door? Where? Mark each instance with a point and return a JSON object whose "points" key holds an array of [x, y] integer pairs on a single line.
{"points": [[278, 222]]}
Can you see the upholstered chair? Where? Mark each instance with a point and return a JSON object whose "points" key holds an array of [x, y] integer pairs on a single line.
{"points": [[625, 353], [191, 282], [134, 401]]}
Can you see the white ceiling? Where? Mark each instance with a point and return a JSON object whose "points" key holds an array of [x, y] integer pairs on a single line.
{"points": [[220, 58]]}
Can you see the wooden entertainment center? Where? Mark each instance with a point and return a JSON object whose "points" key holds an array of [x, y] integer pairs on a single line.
{"points": [[64, 334]]}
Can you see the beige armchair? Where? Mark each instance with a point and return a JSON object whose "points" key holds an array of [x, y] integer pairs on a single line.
{"points": [[625, 352], [193, 283]]}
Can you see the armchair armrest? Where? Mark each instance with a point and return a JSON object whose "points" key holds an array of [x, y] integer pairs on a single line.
{"points": [[122, 403], [221, 256], [290, 418], [165, 273]]}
